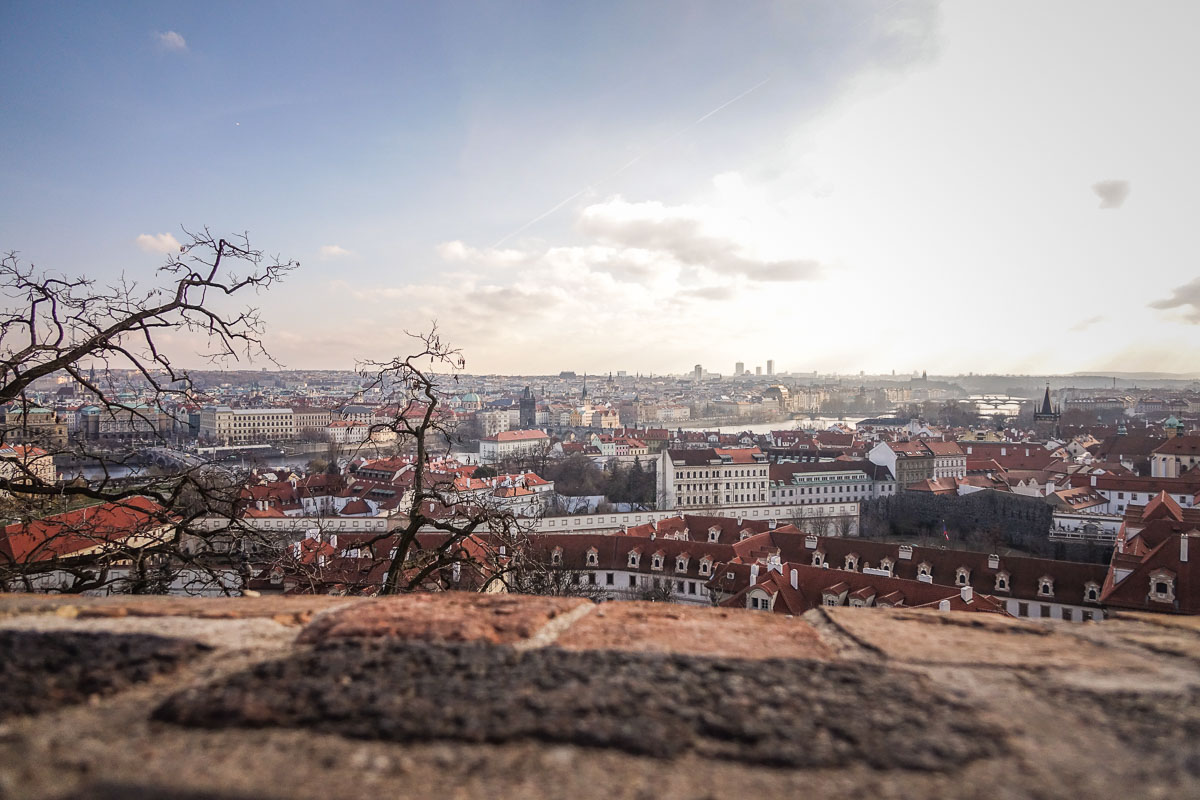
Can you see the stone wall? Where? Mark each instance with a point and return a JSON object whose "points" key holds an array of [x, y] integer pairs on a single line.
{"points": [[459, 695]]}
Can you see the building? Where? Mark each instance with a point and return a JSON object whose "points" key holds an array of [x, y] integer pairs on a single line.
{"points": [[232, 426], [527, 410], [32, 425], [814, 482], [1154, 565], [512, 444], [739, 369], [1046, 418], [1021, 586], [713, 477], [770, 367], [1175, 457], [24, 463]]}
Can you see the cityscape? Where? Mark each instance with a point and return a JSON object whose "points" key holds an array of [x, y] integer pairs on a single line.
{"points": [[645, 400]]}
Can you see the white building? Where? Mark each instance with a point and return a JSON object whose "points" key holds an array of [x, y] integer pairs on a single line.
{"points": [[713, 477], [247, 425], [511, 444]]}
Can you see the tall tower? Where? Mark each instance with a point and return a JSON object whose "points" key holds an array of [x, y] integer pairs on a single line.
{"points": [[528, 409], [770, 366], [1045, 419], [739, 368], [698, 372]]}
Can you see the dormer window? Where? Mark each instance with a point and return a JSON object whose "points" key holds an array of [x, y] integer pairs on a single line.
{"points": [[656, 561], [962, 576], [556, 557], [705, 566], [1001, 581], [818, 559], [593, 558], [634, 558], [1091, 592], [681, 564], [887, 565], [1046, 586], [744, 535], [851, 562], [1162, 586], [713, 535], [924, 570]]}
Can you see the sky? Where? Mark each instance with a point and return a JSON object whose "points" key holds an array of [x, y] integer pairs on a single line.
{"points": [[837, 186]]}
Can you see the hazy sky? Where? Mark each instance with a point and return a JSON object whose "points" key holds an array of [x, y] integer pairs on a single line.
{"points": [[1003, 186]]}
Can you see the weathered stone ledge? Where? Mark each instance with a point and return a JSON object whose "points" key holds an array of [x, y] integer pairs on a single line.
{"points": [[464, 695]]}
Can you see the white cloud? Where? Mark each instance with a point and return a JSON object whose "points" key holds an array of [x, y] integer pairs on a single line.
{"points": [[171, 41], [160, 243], [1111, 193], [333, 251]]}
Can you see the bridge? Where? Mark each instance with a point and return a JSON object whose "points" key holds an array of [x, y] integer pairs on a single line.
{"points": [[169, 457]]}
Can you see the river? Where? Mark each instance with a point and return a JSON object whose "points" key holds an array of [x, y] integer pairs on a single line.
{"points": [[818, 423]]}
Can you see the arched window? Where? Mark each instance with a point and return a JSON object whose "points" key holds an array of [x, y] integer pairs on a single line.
{"points": [[962, 576], [1001, 581], [1046, 586]]}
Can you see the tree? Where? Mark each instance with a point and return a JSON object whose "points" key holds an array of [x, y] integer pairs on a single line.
{"points": [[107, 344], [454, 522]]}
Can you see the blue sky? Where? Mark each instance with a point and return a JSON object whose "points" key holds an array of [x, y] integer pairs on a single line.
{"points": [[408, 155]]}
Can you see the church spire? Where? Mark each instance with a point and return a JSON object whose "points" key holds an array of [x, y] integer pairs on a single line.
{"points": [[1046, 407]]}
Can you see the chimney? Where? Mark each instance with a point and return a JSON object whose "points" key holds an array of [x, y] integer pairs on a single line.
{"points": [[753, 574], [967, 593], [795, 578], [1183, 548], [1093, 479], [944, 605]]}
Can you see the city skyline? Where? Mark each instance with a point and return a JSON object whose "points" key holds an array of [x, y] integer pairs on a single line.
{"points": [[1002, 188]]}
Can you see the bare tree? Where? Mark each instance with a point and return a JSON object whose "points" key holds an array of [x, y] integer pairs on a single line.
{"points": [[106, 344], [452, 520]]}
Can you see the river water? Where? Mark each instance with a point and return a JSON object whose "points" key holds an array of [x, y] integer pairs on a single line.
{"points": [[818, 423]]}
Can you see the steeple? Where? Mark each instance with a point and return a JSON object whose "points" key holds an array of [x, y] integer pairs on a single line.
{"points": [[1047, 408]]}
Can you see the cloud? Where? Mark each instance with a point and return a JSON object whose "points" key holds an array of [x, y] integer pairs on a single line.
{"points": [[681, 233], [333, 251], [1186, 295], [1111, 193], [161, 243], [1084, 324], [171, 41], [716, 293], [458, 251]]}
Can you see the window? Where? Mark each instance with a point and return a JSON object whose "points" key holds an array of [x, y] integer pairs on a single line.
{"points": [[1087, 616], [1002, 581], [962, 576], [681, 564], [818, 559], [1022, 609], [852, 562], [656, 562], [1091, 592], [608, 579], [730, 576], [634, 558], [924, 570], [1067, 614], [705, 566], [1162, 586], [1046, 586], [592, 558], [632, 581], [556, 557], [1045, 612]]}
